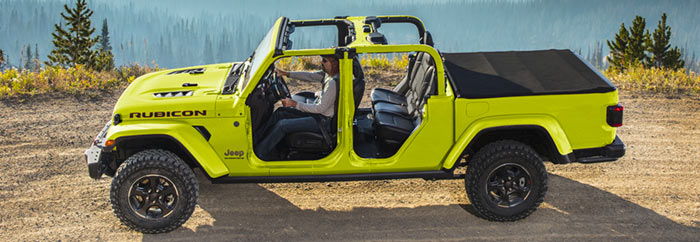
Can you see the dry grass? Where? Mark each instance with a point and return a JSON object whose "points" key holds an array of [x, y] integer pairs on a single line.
{"points": [[79, 80], [656, 80], [375, 62], [73, 80]]}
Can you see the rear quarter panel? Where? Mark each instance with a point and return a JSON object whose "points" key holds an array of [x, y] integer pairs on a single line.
{"points": [[574, 121]]}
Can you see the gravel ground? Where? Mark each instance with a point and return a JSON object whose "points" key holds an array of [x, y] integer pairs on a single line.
{"points": [[653, 193]]}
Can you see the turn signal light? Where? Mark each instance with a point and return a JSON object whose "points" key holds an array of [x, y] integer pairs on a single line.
{"points": [[109, 142]]}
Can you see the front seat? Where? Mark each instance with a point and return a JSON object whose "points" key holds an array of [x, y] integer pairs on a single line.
{"points": [[312, 145]]}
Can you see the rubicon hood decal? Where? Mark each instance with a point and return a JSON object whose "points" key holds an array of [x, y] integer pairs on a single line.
{"points": [[160, 114]]}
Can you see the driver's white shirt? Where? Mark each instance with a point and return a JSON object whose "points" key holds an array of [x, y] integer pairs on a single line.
{"points": [[325, 99]]}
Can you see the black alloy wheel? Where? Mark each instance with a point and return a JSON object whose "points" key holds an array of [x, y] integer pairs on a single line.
{"points": [[153, 196], [508, 185], [506, 181]]}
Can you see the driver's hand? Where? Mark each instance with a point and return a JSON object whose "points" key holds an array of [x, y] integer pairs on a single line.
{"points": [[288, 102], [281, 72]]}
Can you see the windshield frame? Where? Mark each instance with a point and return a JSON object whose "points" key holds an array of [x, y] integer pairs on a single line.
{"points": [[263, 52]]}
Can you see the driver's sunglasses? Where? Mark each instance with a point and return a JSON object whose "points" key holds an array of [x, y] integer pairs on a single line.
{"points": [[323, 60]]}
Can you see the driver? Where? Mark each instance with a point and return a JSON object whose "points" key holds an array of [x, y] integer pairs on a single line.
{"points": [[297, 116]]}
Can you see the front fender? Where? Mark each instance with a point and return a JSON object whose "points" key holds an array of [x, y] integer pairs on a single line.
{"points": [[185, 134], [546, 122]]}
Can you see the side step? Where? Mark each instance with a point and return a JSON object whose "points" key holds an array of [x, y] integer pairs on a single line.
{"points": [[427, 175]]}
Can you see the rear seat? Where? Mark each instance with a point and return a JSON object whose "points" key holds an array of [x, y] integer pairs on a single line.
{"points": [[394, 122], [396, 96], [417, 82], [399, 96]]}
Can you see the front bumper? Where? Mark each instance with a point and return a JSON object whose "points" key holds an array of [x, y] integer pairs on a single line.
{"points": [[610, 152], [92, 155], [95, 154]]}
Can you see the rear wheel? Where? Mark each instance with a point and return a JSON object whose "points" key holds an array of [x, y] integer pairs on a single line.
{"points": [[506, 181], [154, 191]]}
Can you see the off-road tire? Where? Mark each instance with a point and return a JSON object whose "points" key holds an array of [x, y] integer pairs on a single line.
{"points": [[487, 161], [164, 164]]}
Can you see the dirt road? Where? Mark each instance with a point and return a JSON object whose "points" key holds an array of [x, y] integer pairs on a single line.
{"points": [[653, 193]]}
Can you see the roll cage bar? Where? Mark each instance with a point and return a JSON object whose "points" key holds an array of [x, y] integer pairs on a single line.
{"points": [[346, 30]]}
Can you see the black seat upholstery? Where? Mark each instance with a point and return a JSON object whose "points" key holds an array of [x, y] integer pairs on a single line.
{"points": [[416, 70], [394, 122], [392, 130], [422, 74], [399, 110], [387, 96]]}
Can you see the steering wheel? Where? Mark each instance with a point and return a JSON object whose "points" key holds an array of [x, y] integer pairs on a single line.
{"points": [[279, 87]]}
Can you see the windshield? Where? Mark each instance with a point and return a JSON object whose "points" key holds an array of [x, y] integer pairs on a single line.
{"points": [[259, 56]]}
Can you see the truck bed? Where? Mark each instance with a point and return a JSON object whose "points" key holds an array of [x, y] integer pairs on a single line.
{"points": [[522, 73]]}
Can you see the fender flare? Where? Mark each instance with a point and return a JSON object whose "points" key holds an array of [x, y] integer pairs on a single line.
{"points": [[186, 136], [547, 123]]}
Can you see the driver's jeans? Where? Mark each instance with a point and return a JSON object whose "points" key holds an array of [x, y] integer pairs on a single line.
{"points": [[284, 120]]}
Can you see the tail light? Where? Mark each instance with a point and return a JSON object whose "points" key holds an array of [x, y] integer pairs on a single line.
{"points": [[614, 116]]}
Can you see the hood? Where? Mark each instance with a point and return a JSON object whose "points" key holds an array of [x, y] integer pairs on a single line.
{"points": [[188, 92]]}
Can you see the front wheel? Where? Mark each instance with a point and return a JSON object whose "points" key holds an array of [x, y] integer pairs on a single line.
{"points": [[506, 181], [154, 191]]}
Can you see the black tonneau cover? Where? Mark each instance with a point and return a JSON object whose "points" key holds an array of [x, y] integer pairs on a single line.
{"points": [[522, 73]]}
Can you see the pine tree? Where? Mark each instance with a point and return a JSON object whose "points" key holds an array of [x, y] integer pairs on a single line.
{"points": [[28, 63], [36, 63], [660, 48], [618, 48], [21, 58], [104, 59], [639, 42], [673, 59], [104, 37], [2, 60], [661, 42], [74, 46], [636, 46]]}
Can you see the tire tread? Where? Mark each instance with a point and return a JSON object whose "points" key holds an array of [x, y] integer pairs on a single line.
{"points": [[155, 158], [483, 158]]}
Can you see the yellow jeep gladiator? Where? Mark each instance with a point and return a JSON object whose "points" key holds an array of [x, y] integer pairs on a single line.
{"points": [[500, 114]]}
